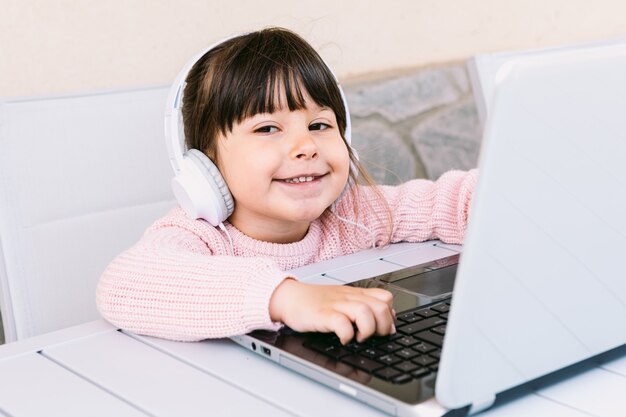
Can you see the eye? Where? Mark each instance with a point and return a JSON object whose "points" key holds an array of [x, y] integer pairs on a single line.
{"points": [[266, 129], [319, 126]]}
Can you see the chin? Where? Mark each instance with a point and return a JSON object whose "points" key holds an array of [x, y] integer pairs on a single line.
{"points": [[306, 211], [307, 216]]}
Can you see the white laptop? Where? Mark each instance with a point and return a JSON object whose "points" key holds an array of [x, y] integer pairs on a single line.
{"points": [[539, 285]]}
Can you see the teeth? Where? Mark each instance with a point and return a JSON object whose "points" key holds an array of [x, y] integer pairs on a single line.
{"points": [[298, 180]]}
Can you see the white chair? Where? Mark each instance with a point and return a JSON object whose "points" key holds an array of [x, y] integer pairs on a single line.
{"points": [[81, 177], [485, 69]]}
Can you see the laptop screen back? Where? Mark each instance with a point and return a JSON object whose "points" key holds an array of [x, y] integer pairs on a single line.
{"points": [[541, 284]]}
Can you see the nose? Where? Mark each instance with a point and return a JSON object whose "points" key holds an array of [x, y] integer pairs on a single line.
{"points": [[303, 146]]}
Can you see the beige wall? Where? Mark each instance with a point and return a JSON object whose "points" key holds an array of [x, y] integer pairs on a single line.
{"points": [[66, 46]]}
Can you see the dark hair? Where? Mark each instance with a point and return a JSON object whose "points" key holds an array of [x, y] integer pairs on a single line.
{"points": [[241, 77]]}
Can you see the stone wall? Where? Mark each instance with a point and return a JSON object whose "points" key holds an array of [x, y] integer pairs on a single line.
{"points": [[415, 124]]}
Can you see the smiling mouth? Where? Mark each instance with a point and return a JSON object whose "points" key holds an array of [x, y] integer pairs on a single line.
{"points": [[303, 179]]}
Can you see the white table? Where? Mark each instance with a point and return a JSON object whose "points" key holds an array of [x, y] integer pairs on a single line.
{"points": [[95, 369]]}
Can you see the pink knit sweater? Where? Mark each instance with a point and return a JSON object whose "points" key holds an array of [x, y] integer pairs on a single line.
{"points": [[182, 281]]}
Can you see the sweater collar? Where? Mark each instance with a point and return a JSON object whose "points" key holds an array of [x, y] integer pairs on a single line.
{"points": [[247, 245]]}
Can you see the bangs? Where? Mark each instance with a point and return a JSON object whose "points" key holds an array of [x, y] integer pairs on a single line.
{"points": [[278, 91]]}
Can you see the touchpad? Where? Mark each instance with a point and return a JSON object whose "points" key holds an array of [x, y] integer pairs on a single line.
{"points": [[429, 280], [431, 283]]}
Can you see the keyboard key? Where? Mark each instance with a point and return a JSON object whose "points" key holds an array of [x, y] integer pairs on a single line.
{"points": [[355, 346], [376, 340], [401, 379], [441, 308], [338, 352], [408, 317], [444, 316], [423, 347], [371, 353], [368, 365], [406, 341], [434, 367], [319, 345], [387, 373], [406, 353], [389, 347], [328, 349], [436, 354], [426, 312], [389, 359], [406, 366], [424, 360], [331, 338], [394, 337], [407, 329], [412, 328], [420, 372], [428, 336], [439, 330]]}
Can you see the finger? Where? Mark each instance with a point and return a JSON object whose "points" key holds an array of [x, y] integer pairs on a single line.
{"points": [[384, 318], [341, 325], [382, 312], [361, 314], [387, 326]]}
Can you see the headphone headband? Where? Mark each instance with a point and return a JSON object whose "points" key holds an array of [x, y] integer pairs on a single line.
{"points": [[174, 132]]}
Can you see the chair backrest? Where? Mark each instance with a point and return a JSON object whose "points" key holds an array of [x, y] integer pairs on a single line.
{"points": [[484, 69], [81, 177]]}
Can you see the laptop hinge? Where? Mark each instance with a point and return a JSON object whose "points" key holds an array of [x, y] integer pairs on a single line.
{"points": [[478, 406]]}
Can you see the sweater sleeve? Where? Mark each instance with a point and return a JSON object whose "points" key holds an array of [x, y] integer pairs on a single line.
{"points": [[420, 209], [170, 285], [424, 210]]}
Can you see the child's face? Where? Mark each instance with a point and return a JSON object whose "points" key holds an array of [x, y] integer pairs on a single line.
{"points": [[283, 169]]}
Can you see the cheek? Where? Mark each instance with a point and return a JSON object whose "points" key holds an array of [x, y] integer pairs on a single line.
{"points": [[241, 184], [342, 160], [248, 175]]}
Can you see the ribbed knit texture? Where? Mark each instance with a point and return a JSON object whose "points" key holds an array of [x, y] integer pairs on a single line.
{"points": [[181, 281]]}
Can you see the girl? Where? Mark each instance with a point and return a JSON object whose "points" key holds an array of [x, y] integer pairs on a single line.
{"points": [[267, 111]]}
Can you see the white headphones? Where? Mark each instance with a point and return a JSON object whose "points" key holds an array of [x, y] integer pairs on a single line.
{"points": [[198, 184]]}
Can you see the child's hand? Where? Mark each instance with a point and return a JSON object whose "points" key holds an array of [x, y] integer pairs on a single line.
{"points": [[329, 308]]}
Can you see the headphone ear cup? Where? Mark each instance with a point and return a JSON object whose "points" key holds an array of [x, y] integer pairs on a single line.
{"points": [[215, 179], [201, 190]]}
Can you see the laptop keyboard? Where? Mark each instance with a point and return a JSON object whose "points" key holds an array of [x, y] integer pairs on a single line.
{"points": [[413, 352]]}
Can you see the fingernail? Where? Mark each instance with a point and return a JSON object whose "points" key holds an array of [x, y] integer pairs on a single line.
{"points": [[393, 329], [393, 311]]}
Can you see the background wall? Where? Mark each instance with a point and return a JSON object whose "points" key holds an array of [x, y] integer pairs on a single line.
{"points": [[70, 46]]}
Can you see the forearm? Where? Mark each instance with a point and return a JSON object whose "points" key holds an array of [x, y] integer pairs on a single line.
{"points": [[176, 293], [424, 210]]}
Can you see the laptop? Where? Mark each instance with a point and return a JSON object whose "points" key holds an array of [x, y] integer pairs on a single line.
{"points": [[540, 274]]}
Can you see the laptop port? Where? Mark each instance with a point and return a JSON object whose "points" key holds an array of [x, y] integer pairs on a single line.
{"points": [[267, 351]]}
